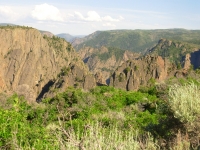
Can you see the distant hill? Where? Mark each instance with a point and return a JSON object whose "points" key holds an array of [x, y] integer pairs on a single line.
{"points": [[47, 33], [68, 37], [135, 40], [78, 41], [5, 24]]}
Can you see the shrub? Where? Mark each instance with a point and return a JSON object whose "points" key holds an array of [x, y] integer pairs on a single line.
{"points": [[136, 68], [126, 70], [94, 136], [185, 101]]}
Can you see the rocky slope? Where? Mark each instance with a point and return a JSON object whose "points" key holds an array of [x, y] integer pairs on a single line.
{"points": [[135, 73], [103, 61], [71, 76], [176, 60], [30, 63], [173, 50]]}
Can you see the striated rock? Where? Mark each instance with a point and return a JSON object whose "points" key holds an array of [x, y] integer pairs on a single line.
{"points": [[26, 91], [135, 73], [187, 62], [2, 84], [30, 61], [89, 82]]}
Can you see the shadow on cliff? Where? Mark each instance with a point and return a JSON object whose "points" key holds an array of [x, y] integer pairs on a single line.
{"points": [[44, 90], [195, 59]]}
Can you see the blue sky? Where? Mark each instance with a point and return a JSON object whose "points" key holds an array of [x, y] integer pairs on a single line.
{"points": [[82, 17]]}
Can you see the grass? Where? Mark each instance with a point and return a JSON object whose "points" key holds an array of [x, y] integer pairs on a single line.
{"points": [[96, 137], [185, 102]]}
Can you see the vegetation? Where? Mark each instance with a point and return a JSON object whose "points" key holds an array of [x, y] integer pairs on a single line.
{"points": [[185, 101], [58, 44], [12, 26], [173, 50], [104, 118], [126, 70], [64, 71], [138, 40], [118, 53]]}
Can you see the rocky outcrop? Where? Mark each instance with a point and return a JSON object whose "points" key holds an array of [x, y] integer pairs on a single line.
{"points": [[72, 76], [142, 72], [187, 62], [192, 60], [103, 61], [176, 51], [30, 61]]}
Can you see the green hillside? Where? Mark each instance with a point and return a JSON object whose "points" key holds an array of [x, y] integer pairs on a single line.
{"points": [[173, 50], [137, 40]]}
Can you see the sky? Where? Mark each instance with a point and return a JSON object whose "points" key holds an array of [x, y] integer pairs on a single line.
{"points": [[83, 17]]}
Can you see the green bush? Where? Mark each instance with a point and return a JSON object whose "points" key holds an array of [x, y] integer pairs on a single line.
{"points": [[106, 116]]}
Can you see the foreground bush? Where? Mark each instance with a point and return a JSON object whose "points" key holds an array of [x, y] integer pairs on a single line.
{"points": [[104, 118], [96, 137], [185, 102]]}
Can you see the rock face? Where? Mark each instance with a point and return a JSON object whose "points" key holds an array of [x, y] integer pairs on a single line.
{"points": [[30, 61], [103, 61], [192, 59], [135, 73], [195, 59], [187, 62], [72, 76]]}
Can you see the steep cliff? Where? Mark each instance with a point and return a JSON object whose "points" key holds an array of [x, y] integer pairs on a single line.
{"points": [[31, 62]]}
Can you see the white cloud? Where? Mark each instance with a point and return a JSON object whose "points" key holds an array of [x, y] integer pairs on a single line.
{"points": [[110, 19], [7, 13], [91, 16], [78, 14], [121, 18], [47, 12], [109, 25], [70, 15], [95, 17]]}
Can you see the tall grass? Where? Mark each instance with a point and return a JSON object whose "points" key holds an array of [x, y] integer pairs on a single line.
{"points": [[185, 102], [95, 137]]}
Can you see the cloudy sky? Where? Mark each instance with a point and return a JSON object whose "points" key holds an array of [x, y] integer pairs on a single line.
{"points": [[82, 17]]}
